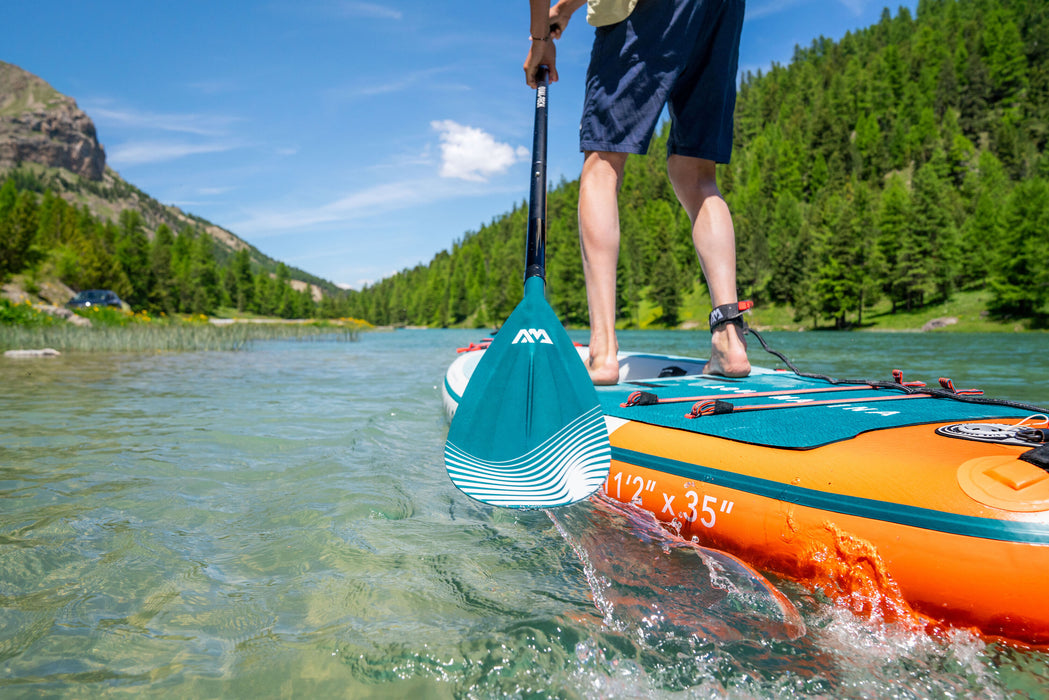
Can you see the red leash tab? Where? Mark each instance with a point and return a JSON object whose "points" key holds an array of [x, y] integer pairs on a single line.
{"points": [[712, 407], [640, 398], [947, 384], [483, 345], [897, 376]]}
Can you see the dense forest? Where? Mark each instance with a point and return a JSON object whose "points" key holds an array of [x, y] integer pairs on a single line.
{"points": [[893, 167], [897, 165], [43, 235]]}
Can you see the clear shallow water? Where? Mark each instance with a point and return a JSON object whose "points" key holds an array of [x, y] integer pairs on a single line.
{"points": [[278, 523]]}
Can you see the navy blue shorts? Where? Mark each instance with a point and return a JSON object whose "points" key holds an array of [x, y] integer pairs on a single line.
{"points": [[683, 53]]}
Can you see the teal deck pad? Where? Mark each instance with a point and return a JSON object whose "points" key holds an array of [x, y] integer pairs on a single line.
{"points": [[799, 427]]}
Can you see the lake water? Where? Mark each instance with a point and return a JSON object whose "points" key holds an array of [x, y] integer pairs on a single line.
{"points": [[277, 522]]}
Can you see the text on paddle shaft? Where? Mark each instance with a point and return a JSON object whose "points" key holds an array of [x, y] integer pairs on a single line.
{"points": [[532, 335], [703, 509]]}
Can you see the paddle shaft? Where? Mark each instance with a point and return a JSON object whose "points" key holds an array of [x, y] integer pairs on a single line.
{"points": [[535, 250]]}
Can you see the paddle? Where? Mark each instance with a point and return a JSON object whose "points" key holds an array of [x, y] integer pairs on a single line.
{"points": [[528, 431]]}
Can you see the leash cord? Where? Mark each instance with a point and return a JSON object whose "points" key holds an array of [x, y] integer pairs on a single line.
{"points": [[937, 393]]}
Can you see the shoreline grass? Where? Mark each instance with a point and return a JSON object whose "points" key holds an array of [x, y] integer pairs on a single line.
{"points": [[173, 338], [23, 327]]}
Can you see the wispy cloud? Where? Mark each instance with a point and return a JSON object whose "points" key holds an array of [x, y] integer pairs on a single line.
{"points": [[213, 191], [771, 7], [403, 82], [340, 9], [198, 124], [775, 7], [157, 137], [376, 201], [364, 202], [856, 6], [212, 87], [468, 153], [367, 9], [360, 204], [142, 152]]}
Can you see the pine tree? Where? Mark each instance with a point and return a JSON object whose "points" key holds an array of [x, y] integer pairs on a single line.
{"points": [[242, 289], [132, 254], [788, 250], [18, 229], [935, 235], [982, 232], [163, 295], [894, 221], [1020, 281], [204, 277]]}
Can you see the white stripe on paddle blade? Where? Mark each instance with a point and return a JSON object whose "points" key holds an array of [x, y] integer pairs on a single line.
{"points": [[568, 467]]}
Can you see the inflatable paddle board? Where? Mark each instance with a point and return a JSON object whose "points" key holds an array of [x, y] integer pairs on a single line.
{"points": [[932, 498]]}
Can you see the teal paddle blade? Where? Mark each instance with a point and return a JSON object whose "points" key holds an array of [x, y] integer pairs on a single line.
{"points": [[529, 431]]}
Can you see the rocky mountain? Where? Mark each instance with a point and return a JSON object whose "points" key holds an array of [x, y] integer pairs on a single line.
{"points": [[38, 124], [52, 144]]}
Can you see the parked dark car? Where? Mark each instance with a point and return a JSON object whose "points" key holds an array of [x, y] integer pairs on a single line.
{"points": [[94, 297]]}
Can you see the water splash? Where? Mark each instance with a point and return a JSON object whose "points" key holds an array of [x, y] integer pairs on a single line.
{"points": [[652, 582]]}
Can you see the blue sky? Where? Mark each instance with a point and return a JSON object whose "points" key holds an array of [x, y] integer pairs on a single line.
{"points": [[350, 139]]}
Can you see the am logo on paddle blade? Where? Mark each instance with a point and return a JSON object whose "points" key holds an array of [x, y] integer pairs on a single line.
{"points": [[532, 335]]}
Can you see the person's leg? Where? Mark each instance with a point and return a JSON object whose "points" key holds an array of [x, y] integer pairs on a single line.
{"points": [[715, 239], [599, 240]]}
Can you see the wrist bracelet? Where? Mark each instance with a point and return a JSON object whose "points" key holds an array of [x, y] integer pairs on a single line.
{"points": [[540, 38]]}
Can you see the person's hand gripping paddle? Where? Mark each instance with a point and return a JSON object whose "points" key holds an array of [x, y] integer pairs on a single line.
{"points": [[529, 431]]}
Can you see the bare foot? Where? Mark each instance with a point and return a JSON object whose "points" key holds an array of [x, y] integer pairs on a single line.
{"points": [[603, 371], [728, 352]]}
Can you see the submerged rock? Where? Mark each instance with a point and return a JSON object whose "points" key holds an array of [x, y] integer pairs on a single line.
{"points": [[41, 352], [939, 323]]}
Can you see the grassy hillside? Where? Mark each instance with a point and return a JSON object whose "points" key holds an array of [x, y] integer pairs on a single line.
{"points": [[18, 96]]}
